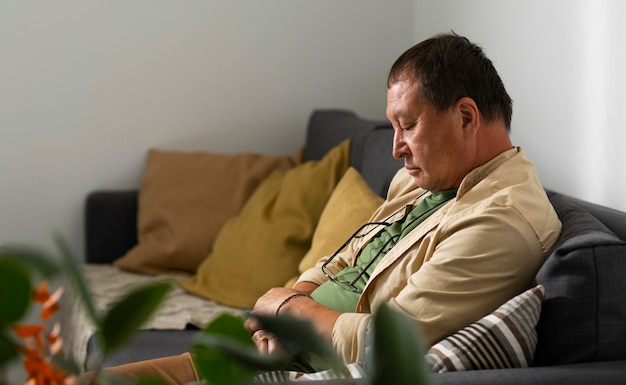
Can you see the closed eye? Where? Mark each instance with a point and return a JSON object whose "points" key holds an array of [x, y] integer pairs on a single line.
{"points": [[408, 127]]}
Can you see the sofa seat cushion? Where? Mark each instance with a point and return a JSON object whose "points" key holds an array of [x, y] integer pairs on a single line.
{"points": [[584, 311], [108, 284]]}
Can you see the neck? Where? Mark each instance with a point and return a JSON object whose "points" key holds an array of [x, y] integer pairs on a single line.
{"points": [[493, 140]]}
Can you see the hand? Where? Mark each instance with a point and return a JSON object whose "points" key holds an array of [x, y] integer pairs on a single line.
{"points": [[269, 302], [268, 305], [266, 343], [322, 317]]}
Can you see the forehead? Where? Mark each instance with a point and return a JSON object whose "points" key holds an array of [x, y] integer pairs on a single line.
{"points": [[403, 99]]}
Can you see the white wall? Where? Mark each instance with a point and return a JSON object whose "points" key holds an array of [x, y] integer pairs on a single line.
{"points": [[86, 87], [563, 63]]}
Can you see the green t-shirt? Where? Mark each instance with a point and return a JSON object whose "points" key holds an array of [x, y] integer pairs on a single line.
{"points": [[344, 299]]}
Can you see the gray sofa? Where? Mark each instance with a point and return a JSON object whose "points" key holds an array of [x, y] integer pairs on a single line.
{"points": [[582, 329]]}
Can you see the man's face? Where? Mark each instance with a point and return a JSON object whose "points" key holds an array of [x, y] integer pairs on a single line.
{"points": [[432, 144]]}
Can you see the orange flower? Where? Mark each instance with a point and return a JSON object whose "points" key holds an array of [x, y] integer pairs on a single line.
{"points": [[55, 342], [41, 293], [51, 305], [36, 365], [30, 331], [40, 371]]}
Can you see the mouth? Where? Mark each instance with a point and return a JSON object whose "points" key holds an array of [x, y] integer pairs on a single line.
{"points": [[413, 170]]}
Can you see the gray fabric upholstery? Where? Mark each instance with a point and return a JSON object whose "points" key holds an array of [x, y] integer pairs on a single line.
{"points": [[152, 343], [613, 219], [370, 144], [106, 210], [327, 128], [579, 374], [378, 166], [585, 304]]}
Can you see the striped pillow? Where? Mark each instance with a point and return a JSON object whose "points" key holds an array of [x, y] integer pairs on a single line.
{"points": [[505, 338], [350, 371]]}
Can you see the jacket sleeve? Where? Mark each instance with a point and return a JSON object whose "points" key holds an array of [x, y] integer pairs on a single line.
{"points": [[479, 263]]}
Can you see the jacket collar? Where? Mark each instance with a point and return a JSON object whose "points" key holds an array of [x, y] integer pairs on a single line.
{"points": [[480, 172]]}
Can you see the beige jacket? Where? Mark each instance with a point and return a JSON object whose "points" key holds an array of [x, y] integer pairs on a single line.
{"points": [[475, 253]]}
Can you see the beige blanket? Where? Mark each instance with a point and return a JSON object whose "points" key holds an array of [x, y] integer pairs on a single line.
{"points": [[108, 284]]}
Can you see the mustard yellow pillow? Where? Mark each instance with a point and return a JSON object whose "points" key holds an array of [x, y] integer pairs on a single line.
{"points": [[262, 247], [184, 200], [350, 206]]}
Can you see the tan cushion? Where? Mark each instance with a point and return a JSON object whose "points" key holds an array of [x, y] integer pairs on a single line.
{"points": [[184, 200], [262, 247], [350, 206]]}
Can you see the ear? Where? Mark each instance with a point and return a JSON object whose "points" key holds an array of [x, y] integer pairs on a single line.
{"points": [[469, 112]]}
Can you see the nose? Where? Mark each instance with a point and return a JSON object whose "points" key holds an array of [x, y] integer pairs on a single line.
{"points": [[400, 149]]}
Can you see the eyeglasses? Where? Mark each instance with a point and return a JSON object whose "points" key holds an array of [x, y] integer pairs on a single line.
{"points": [[351, 285]]}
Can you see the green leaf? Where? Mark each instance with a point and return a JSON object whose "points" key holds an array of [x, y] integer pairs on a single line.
{"points": [[35, 260], [15, 290], [224, 351], [75, 276], [236, 351], [126, 316], [398, 353], [7, 349], [104, 377], [298, 337], [231, 326]]}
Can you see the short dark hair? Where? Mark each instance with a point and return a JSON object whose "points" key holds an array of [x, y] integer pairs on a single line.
{"points": [[449, 67]]}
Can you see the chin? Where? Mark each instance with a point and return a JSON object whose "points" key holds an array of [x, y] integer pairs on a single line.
{"points": [[418, 176], [420, 183]]}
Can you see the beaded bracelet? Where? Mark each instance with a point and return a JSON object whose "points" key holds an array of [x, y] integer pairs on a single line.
{"points": [[289, 299]]}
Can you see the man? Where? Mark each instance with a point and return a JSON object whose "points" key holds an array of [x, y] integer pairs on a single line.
{"points": [[465, 227], [451, 117]]}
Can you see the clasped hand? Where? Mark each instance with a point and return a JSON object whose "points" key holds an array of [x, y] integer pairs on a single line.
{"points": [[267, 305]]}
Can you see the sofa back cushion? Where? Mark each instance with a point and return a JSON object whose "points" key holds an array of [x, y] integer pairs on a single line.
{"points": [[370, 144], [378, 167], [262, 247], [185, 199], [612, 218], [584, 311]]}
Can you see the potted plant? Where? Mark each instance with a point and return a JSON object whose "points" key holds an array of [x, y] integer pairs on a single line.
{"points": [[223, 351]]}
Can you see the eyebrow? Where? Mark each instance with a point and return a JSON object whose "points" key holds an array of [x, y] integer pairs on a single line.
{"points": [[402, 116]]}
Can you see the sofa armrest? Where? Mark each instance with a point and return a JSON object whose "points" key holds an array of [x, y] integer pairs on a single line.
{"points": [[606, 373], [110, 225]]}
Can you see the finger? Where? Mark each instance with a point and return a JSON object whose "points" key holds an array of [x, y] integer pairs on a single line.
{"points": [[261, 345], [261, 340], [273, 347], [252, 325]]}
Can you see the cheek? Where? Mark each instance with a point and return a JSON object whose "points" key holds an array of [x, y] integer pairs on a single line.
{"points": [[438, 158], [450, 144], [429, 150]]}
